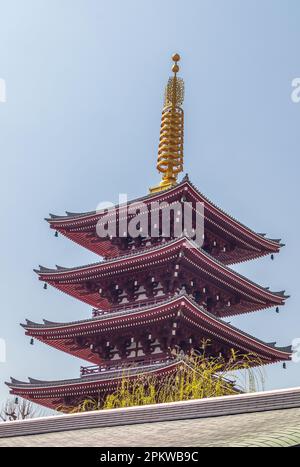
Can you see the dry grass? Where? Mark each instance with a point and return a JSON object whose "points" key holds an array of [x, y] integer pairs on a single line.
{"points": [[197, 376]]}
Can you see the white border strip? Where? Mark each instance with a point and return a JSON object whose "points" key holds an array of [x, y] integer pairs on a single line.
{"points": [[200, 408]]}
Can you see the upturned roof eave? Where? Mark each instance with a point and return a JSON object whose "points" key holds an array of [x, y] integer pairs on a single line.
{"points": [[39, 385], [71, 217], [61, 271], [33, 383], [181, 300]]}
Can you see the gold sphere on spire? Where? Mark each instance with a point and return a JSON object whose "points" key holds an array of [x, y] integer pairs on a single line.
{"points": [[176, 57], [175, 67]]}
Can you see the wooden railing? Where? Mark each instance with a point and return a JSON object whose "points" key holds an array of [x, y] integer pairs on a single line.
{"points": [[129, 306], [99, 369]]}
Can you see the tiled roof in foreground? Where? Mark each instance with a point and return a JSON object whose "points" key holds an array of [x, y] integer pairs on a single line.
{"points": [[260, 419]]}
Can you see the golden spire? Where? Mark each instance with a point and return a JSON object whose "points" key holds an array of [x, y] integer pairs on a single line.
{"points": [[170, 149]]}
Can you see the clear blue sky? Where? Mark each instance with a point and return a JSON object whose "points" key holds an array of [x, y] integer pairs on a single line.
{"points": [[81, 123]]}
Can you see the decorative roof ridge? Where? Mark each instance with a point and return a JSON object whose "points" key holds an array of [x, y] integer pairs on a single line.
{"points": [[114, 258], [33, 324], [29, 322], [116, 206], [179, 297], [287, 349], [34, 380], [226, 267], [230, 216], [47, 322], [15, 381], [43, 268], [107, 315], [281, 293], [107, 260], [60, 268], [110, 374], [185, 180], [136, 253]]}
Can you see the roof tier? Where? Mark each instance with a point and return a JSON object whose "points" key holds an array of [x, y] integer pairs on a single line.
{"points": [[159, 272], [54, 394], [193, 324], [225, 238]]}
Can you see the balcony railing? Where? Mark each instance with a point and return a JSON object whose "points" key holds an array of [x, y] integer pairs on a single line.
{"points": [[129, 306], [100, 369]]}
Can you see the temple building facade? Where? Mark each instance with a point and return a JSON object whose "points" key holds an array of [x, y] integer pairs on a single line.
{"points": [[153, 293]]}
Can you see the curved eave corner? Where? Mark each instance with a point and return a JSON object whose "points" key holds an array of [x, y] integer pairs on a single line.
{"points": [[54, 219]]}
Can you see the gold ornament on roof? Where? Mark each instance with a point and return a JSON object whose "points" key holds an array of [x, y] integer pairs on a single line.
{"points": [[170, 149]]}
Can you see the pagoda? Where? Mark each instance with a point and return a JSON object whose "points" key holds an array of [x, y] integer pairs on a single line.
{"points": [[151, 294]]}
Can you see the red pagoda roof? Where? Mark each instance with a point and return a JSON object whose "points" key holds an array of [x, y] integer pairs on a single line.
{"points": [[205, 324], [53, 393], [248, 244], [84, 282]]}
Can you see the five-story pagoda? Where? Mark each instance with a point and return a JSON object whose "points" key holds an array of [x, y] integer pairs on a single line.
{"points": [[155, 290]]}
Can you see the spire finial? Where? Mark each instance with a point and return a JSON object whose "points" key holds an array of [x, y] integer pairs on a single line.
{"points": [[170, 149], [175, 67]]}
